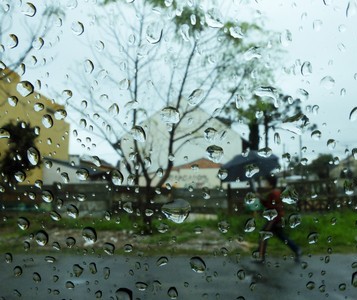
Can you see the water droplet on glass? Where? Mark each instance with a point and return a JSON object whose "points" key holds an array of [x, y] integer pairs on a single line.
{"points": [[8, 258], [82, 174], [47, 196], [222, 174], [286, 38], [170, 115], [77, 270], [89, 235], [41, 238], [331, 144], [141, 286], [306, 68], [351, 8], [317, 24], [353, 114], [38, 43], [36, 277], [109, 248], [310, 285], [354, 280], [60, 114], [23, 223], [289, 195], [117, 177], [348, 187], [251, 53], [172, 293], [197, 264], [69, 285], [13, 100], [270, 214], [177, 211], [55, 216], [214, 153], [154, 32], [4, 134], [210, 134], [162, 261], [251, 170], [70, 242], [236, 32], [266, 91], [28, 9], [327, 82], [138, 134], [214, 18], [47, 121], [12, 41], [316, 135], [25, 88], [313, 237], [265, 152], [196, 97], [124, 84], [250, 225], [17, 271], [113, 110], [223, 226], [294, 220], [33, 156], [20, 176], [277, 139], [72, 211], [77, 28]]}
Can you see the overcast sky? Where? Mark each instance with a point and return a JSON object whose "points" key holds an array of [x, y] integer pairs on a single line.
{"points": [[322, 34]]}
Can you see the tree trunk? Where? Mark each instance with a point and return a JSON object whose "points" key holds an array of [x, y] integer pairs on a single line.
{"points": [[254, 136]]}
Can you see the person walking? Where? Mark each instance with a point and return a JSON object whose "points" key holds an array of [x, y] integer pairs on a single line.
{"points": [[272, 202]]}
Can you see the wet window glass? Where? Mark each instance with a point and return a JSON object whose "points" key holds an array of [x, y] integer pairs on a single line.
{"points": [[178, 149]]}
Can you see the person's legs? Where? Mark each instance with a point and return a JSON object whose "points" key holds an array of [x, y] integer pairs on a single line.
{"points": [[280, 234], [263, 242]]}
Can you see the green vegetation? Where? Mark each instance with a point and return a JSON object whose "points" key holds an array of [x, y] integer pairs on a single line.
{"points": [[336, 233]]}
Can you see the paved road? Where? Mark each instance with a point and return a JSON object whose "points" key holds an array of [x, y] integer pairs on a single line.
{"points": [[118, 277]]}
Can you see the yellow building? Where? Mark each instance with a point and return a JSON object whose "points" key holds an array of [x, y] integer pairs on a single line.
{"points": [[19, 102]]}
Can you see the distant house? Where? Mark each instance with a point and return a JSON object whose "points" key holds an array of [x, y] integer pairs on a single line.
{"points": [[19, 102], [194, 148], [198, 174]]}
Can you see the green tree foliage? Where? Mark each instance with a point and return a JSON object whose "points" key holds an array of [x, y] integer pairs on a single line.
{"points": [[16, 159], [321, 166]]}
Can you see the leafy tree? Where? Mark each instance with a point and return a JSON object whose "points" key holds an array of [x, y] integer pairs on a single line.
{"points": [[21, 154], [321, 166], [175, 63]]}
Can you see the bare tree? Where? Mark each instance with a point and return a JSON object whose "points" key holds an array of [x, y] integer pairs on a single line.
{"points": [[165, 64]]}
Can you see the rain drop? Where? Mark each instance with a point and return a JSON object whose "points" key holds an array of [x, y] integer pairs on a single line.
{"points": [[286, 38], [214, 18], [154, 33], [306, 68], [25, 88], [214, 153], [222, 174], [13, 100], [13, 41], [29, 9], [33, 156], [197, 264], [23, 223], [36, 277], [117, 177], [353, 114], [177, 211], [77, 270], [195, 97], [41, 238], [313, 237], [316, 135], [162, 261], [60, 114], [170, 115], [327, 82], [277, 139], [351, 8], [82, 174], [172, 293], [20, 176], [251, 53], [17, 271], [250, 225], [47, 121], [77, 28], [236, 32], [331, 144], [138, 134], [88, 66], [109, 248], [38, 43], [210, 134], [251, 170], [294, 220], [4, 134], [113, 110], [89, 235], [72, 211], [265, 152], [124, 84]]}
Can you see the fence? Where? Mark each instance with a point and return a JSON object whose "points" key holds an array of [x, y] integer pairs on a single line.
{"points": [[97, 198]]}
